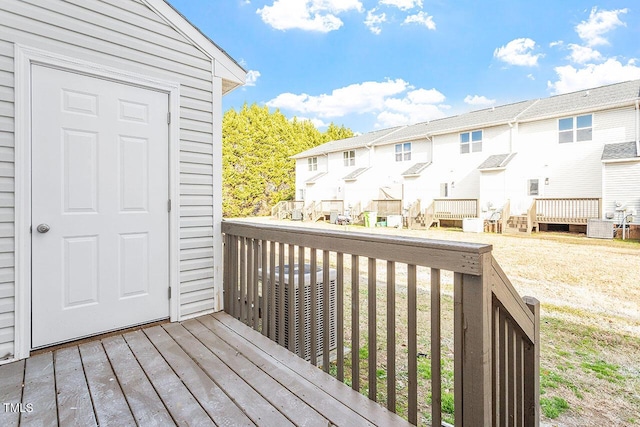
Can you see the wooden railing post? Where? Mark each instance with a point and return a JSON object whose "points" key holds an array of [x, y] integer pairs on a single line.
{"points": [[532, 369], [472, 342]]}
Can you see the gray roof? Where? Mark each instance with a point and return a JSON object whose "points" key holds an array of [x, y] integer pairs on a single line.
{"points": [[315, 178], [622, 150], [416, 169], [496, 161], [584, 100], [355, 174], [595, 99]]}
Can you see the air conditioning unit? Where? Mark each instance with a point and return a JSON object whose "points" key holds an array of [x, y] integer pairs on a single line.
{"points": [[600, 229], [309, 280]]}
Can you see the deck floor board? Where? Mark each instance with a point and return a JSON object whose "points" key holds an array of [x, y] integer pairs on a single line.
{"points": [[212, 370]]}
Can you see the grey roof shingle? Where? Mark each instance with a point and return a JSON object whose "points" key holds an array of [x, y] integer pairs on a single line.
{"points": [[496, 161], [355, 174], [416, 169], [555, 106], [315, 178], [621, 150], [584, 100]]}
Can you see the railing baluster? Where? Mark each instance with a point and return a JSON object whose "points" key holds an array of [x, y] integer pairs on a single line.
{"points": [[235, 295], [372, 341], [412, 342], [272, 291], [436, 374], [226, 280], [291, 300], [355, 322], [531, 358], [256, 288], [263, 288], [391, 336], [250, 284], [340, 315], [326, 311], [280, 330], [302, 304], [314, 307], [243, 280], [458, 348], [502, 361], [518, 379], [511, 386], [495, 387]]}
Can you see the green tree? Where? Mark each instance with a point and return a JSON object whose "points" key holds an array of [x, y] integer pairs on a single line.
{"points": [[256, 148]]}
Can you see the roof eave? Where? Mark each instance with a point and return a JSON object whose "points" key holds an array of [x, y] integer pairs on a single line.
{"points": [[601, 107], [224, 65]]}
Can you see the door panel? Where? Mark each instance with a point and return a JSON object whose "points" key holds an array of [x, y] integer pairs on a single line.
{"points": [[100, 182]]}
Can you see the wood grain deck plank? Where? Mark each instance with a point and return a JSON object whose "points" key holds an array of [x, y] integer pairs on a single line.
{"points": [[213, 399], [252, 403], [108, 400], [74, 402], [40, 392], [145, 404], [11, 378], [183, 407], [282, 397], [368, 410]]}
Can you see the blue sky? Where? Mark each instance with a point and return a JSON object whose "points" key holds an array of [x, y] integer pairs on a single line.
{"points": [[371, 64]]}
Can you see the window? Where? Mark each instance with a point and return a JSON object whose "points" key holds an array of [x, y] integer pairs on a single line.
{"points": [[534, 189], [403, 152], [471, 142], [349, 157], [313, 163], [301, 194], [578, 128]]}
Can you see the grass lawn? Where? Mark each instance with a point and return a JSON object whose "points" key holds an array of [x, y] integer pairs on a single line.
{"points": [[589, 291]]}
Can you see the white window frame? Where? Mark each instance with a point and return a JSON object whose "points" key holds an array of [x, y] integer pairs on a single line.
{"points": [[575, 131], [403, 152], [312, 164], [470, 145], [349, 158]]}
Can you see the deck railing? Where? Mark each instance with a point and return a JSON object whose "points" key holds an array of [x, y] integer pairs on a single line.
{"points": [[385, 207], [455, 208], [567, 210], [495, 333], [284, 208], [506, 214]]}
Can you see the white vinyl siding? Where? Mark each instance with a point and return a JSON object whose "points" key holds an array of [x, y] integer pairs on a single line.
{"points": [[7, 285], [622, 181], [127, 35]]}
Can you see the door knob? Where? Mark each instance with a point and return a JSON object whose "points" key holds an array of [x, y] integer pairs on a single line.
{"points": [[43, 228]]}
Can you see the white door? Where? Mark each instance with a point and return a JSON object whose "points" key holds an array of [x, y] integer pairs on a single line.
{"points": [[100, 186]]}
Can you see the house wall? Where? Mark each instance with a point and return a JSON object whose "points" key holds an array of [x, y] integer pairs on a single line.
{"points": [[127, 35], [621, 184]]}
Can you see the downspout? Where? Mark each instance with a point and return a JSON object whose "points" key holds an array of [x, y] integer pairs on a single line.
{"points": [[637, 127], [510, 137]]}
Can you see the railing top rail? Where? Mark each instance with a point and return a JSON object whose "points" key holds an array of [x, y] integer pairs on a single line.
{"points": [[453, 256], [566, 198]]}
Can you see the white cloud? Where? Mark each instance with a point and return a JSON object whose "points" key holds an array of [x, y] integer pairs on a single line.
{"points": [[421, 18], [252, 77], [403, 4], [599, 23], [374, 20], [518, 52], [476, 100], [556, 43], [583, 54], [571, 79], [531, 77], [310, 15], [394, 102], [318, 123], [356, 98]]}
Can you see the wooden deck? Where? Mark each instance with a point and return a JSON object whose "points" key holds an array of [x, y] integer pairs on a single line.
{"points": [[208, 371]]}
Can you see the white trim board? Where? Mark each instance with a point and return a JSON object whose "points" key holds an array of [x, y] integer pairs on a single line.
{"points": [[24, 58]]}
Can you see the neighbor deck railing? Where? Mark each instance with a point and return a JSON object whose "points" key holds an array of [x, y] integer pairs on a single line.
{"points": [[455, 209], [495, 332], [568, 210], [385, 207], [284, 208]]}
